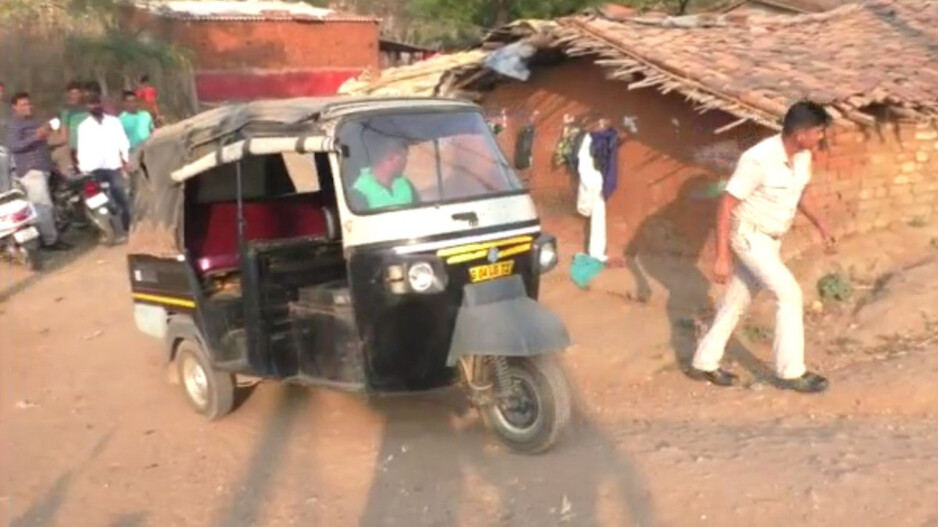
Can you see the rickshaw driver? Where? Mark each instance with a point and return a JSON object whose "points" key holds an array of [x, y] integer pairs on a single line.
{"points": [[383, 184]]}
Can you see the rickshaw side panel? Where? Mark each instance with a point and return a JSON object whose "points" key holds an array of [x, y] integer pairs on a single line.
{"points": [[159, 289], [164, 289]]}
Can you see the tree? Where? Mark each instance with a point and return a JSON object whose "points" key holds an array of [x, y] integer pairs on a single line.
{"points": [[488, 14]]}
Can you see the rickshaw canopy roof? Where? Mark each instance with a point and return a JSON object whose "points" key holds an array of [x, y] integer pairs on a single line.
{"points": [[159, 198]]}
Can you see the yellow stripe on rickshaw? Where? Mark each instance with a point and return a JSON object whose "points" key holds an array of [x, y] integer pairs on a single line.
{"points": [[168, 300], [476, 247], [478, 255]]}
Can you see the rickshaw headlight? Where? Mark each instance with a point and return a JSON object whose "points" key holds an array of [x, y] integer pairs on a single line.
{"points": [[547, 257], [421, 277]]}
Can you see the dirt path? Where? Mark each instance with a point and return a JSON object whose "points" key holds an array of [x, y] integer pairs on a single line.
{"points": [[91, 434]]}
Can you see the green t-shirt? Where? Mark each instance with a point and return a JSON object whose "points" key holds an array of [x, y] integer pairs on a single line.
{"points": [[71, 119], [138, 126], [377, 196]]}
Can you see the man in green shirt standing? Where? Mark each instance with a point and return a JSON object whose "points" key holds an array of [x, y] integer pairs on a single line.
{"points": [[74, 112], [383, 184], [138, 124]]}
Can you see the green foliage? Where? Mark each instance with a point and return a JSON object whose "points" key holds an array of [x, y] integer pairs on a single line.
{"points": [[835, 286], [487, 14]]}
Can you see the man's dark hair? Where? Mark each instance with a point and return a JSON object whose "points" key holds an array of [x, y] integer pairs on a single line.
{"points": [[381, 145], [93, 98], [145, 78], [93, 87], [74, 85], [17, 97], [128, 94], [803, 115]]}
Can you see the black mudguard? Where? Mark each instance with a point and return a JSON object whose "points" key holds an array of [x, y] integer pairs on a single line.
{"points": [[499, 318]]}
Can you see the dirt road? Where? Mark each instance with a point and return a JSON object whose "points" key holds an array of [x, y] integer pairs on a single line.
{"points": [[92, 435]]}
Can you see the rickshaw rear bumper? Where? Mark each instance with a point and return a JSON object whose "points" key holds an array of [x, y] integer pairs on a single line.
{"points": [[498, 318]]}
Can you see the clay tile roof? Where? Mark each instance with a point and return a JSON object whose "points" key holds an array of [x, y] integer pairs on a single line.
{"points": [[882, 52]]}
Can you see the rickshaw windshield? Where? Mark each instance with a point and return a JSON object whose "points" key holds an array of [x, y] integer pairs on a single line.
{"points": [[414, 159]]}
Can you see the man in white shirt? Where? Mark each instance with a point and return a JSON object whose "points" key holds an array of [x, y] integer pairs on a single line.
{"points": [[768, 188], [104, 150]]}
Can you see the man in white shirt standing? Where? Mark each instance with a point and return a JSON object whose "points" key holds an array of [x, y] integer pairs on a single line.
{"points": [[769, 186], [104, 150]]}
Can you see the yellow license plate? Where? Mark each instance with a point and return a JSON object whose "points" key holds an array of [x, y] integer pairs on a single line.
{"points": [[482, 273]]}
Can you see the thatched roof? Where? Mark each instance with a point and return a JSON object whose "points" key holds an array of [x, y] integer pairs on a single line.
{"points": [[420, 78], [853, 59]]}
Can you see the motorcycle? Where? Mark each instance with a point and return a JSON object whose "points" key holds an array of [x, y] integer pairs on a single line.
{"points": [[102, 210], [68, 201], [19, 237]]}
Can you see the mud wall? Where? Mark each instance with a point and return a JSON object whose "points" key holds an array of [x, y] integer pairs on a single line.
{"points": [[671, 166]]}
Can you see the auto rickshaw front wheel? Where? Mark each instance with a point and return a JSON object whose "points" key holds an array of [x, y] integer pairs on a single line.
{"points": [[209, 391], [532, 418]]}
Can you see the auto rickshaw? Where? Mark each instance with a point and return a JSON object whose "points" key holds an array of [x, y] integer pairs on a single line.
{"points": [[378, 245]]}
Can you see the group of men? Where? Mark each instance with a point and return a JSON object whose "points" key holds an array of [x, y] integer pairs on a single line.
{"points": [[86, 137]]}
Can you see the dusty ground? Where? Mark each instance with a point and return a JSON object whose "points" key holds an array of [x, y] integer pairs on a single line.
{"points": [[91, 434]]}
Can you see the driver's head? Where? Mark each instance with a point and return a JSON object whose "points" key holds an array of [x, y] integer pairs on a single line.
{"points": [[389, 155]]}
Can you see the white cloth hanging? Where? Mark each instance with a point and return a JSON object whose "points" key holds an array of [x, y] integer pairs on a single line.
{"points": [[591, 180], [590, 202]]}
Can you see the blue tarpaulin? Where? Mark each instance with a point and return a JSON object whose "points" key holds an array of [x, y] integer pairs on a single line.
{"points": [[510, 60]]}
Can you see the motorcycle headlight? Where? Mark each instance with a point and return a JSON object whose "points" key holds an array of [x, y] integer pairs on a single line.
{"points": [[421, 277]]}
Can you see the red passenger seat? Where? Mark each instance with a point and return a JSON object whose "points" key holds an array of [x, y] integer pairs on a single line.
{"points": [[212, 235]]}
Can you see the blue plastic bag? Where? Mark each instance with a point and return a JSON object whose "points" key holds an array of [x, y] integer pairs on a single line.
{"points": [[584, 269]]}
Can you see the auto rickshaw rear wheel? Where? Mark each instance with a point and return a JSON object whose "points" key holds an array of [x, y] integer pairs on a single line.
{"points": [[533, 418], [209, 391]]}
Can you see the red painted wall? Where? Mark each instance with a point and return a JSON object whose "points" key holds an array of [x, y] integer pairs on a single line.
{"points": [[251, 59], [225, 86]]}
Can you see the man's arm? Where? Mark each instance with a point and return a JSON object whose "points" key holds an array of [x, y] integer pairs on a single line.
{"points": [[21, 142], [81, 147], [724, 260], [747, 177], [808, 205], [120, 138], [357, 201]]}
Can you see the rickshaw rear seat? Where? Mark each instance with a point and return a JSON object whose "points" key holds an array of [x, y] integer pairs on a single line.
{"points": [[213, 237]]}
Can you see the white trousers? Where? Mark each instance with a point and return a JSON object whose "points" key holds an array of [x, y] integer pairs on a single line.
{"points": [[36, 186], [759, 265], [597, 236]]}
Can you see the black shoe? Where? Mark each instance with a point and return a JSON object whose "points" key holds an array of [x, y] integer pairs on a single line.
{"points": [[57, 246], [807, 383], [719, 377]]}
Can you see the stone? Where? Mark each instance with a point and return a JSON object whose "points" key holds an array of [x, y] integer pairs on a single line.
{"points": [[921, 157], [926, 135], [909, 167], [901, 180]]}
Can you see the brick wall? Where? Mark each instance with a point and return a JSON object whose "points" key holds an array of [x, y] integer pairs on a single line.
{"points": [[871, 179], [868, 179]]}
